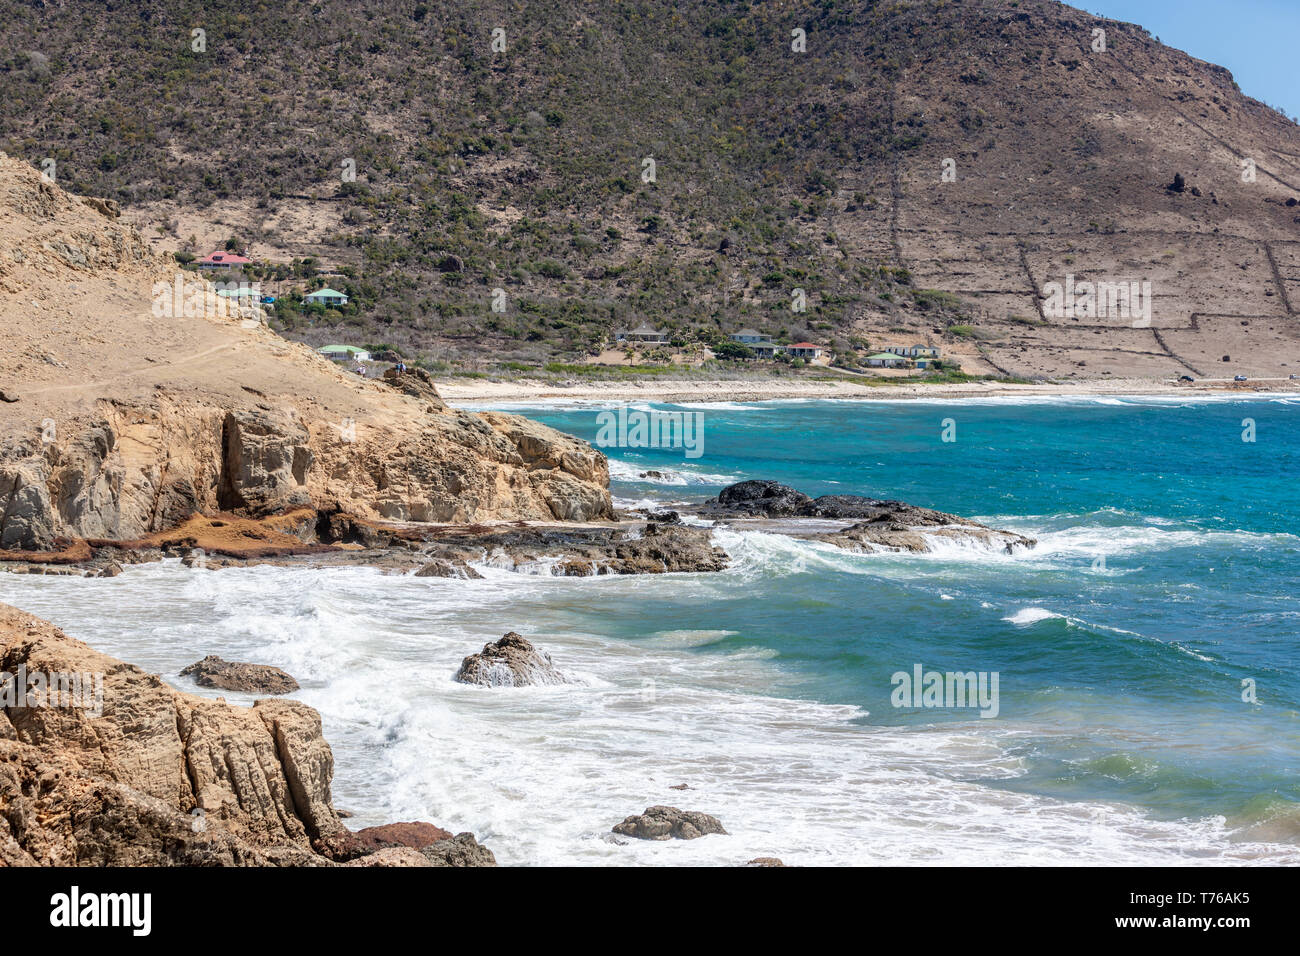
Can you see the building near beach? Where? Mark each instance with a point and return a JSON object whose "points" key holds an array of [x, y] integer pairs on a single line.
{"points": [[805, 350], [343, 353], [914, 351], [326, 297], [887, 360], [224, 260], [644, 334], [760, 343]]}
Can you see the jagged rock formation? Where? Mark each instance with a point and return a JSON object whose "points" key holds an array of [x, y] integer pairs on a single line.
{"points": [[889, 525], [158, 777], [669, 823], [129, 421], [213, 671], [512, 661]]}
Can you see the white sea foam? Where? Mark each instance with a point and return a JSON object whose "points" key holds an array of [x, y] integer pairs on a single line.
{"points": [[1032, 615], [626, 471], [540, 774]]}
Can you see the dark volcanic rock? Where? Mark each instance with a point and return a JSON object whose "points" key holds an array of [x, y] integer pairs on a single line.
{"points": [[668, 823], [761, 497], [461, 850], [212, 671], [881, 524], [510, 662]]}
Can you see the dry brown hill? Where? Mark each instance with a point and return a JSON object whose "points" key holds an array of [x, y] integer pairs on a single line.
{"points": [[776, 170], [119, 421]]}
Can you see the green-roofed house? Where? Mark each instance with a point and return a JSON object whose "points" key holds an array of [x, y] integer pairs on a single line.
{"points": [[343, 353], [326, 297], [887, 360]]}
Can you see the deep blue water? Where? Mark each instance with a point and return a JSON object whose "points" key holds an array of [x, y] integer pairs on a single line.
{"points": [[1166, 576]]}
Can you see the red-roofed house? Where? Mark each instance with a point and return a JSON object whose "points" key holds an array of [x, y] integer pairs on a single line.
{"points": [[804, 350], [224, 260]]}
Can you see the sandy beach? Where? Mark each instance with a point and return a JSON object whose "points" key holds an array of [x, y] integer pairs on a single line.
{"points": [[767, 389]]}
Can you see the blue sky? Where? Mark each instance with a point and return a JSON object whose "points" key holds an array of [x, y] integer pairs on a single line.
{"points": [[1258, 40]]}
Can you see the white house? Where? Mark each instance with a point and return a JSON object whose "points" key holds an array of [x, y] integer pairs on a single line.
{"points": [[887, 360], [805, 350], [344, 353], [325, 297]]}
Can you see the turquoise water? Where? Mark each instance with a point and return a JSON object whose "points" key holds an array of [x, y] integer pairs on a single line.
{"points": [[1165, 577]]}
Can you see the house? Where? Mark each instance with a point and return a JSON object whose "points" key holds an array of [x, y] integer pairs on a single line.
{"points": [[343, 353], [759, 343], [887, 360], [224, 260], [326, 297], [914, 351], [805, 350], [645, 334], [245, 295]]}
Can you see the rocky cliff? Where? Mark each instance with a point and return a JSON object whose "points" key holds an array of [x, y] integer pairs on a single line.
{"points": [[134, 398], [137, 773]]}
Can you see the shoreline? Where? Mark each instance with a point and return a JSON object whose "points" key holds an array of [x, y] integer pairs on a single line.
{"points": [[685, 391]]}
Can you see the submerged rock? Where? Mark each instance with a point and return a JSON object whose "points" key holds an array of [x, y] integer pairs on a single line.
{"points": [[669, 823], [212, 671], [510, 662]]}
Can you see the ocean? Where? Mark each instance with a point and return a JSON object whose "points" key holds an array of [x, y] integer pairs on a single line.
{"points": [[1146, 652]]}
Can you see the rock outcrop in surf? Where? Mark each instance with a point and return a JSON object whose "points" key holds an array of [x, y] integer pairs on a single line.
{"points": [[880, 525], [669, 823], [117, 768], [214, 671], [512, 661]]}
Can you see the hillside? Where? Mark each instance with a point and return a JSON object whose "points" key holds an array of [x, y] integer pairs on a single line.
{"points": [[118, 421], [775, 170]]}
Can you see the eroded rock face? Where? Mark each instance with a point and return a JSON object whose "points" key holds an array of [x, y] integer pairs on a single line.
{"points": [[146, 468], [157, 777], [512, 661], [212, 671], [461, 850], [663, 549], [669, 823]]}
